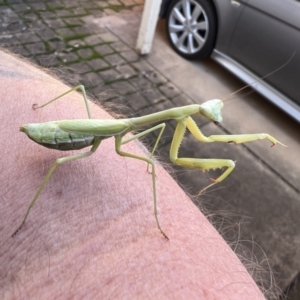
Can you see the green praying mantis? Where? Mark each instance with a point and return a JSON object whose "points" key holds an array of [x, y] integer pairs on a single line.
{"points": [[68, 135]]}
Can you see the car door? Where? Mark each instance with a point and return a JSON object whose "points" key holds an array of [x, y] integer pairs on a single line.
{"points": [[265, 38]]}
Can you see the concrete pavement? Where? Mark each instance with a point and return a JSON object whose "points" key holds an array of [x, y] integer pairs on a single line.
{"points": [[93, 42]]}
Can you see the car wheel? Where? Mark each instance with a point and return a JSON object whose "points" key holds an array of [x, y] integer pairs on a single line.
{"points": [[191, 28]]}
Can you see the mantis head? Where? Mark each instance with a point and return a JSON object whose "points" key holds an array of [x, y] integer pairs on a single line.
{"points": [[212, 110]]}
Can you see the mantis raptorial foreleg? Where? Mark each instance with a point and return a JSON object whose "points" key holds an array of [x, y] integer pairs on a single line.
{"points": [[77, 134], [208, 164], [149, 160]]}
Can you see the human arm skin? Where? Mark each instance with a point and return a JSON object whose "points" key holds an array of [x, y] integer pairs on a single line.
{"points": [[92, 233]]}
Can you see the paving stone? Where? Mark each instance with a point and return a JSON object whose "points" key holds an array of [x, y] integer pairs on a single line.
{"points": [[20, 7], [163, 105], [37, 6], [47, 60], [70, 4], [103, 50], [6, 11], [182, 98], [108, 37], [7, 20], [154, 76], [88, 19], [8, 39], [110, 75], [152, 95], [57, 23], [114, 59], [91, 79], [76, 43], [36, 48], [142, 66], [73, 21], [14, 1], [97, 13], [114, 2], [169, 90], [101, 4], [98, 64], [140, 83], [79, 68], [19, 49], [93, 40], [138, 8], [126, 71], [95, 29], [79, 11], [147, 71], [119, 106], [65, 32], [90, 4], [47, 15], [30, 16], [46, 34], [124, 11], [128, 2], [28, 37], [104, 92], [15, 27], [137, 101], [119, 46], [123, 87], [55, 5], [83, 30], [108, 12], [85, 53], [63, 13], [68, 57], [130, 55], [110, 94], [57, 45]]}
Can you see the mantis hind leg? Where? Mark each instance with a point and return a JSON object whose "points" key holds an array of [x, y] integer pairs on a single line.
{"points": [[208, 164], [78, 87], [50, 172], [148, 160]]}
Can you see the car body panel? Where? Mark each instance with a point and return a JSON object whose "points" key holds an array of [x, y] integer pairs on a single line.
{"points": [[257, 37], [228, 13], [263, 42]]}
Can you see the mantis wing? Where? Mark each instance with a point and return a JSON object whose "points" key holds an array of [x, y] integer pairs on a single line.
{"points": [[95, 127]]}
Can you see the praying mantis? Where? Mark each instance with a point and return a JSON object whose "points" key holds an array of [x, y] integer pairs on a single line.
{"points": [[68, 135]]}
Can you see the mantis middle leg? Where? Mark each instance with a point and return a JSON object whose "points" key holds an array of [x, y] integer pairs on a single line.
{"points": [[149, 160]]}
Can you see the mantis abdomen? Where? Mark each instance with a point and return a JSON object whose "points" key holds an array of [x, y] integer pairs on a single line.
{"points": [[50, 135]]}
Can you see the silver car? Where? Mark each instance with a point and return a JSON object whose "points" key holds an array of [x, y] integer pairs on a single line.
{"points": [[250, 38]]}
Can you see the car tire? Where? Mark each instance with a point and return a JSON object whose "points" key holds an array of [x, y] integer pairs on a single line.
{"points": [[192, 31]]}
